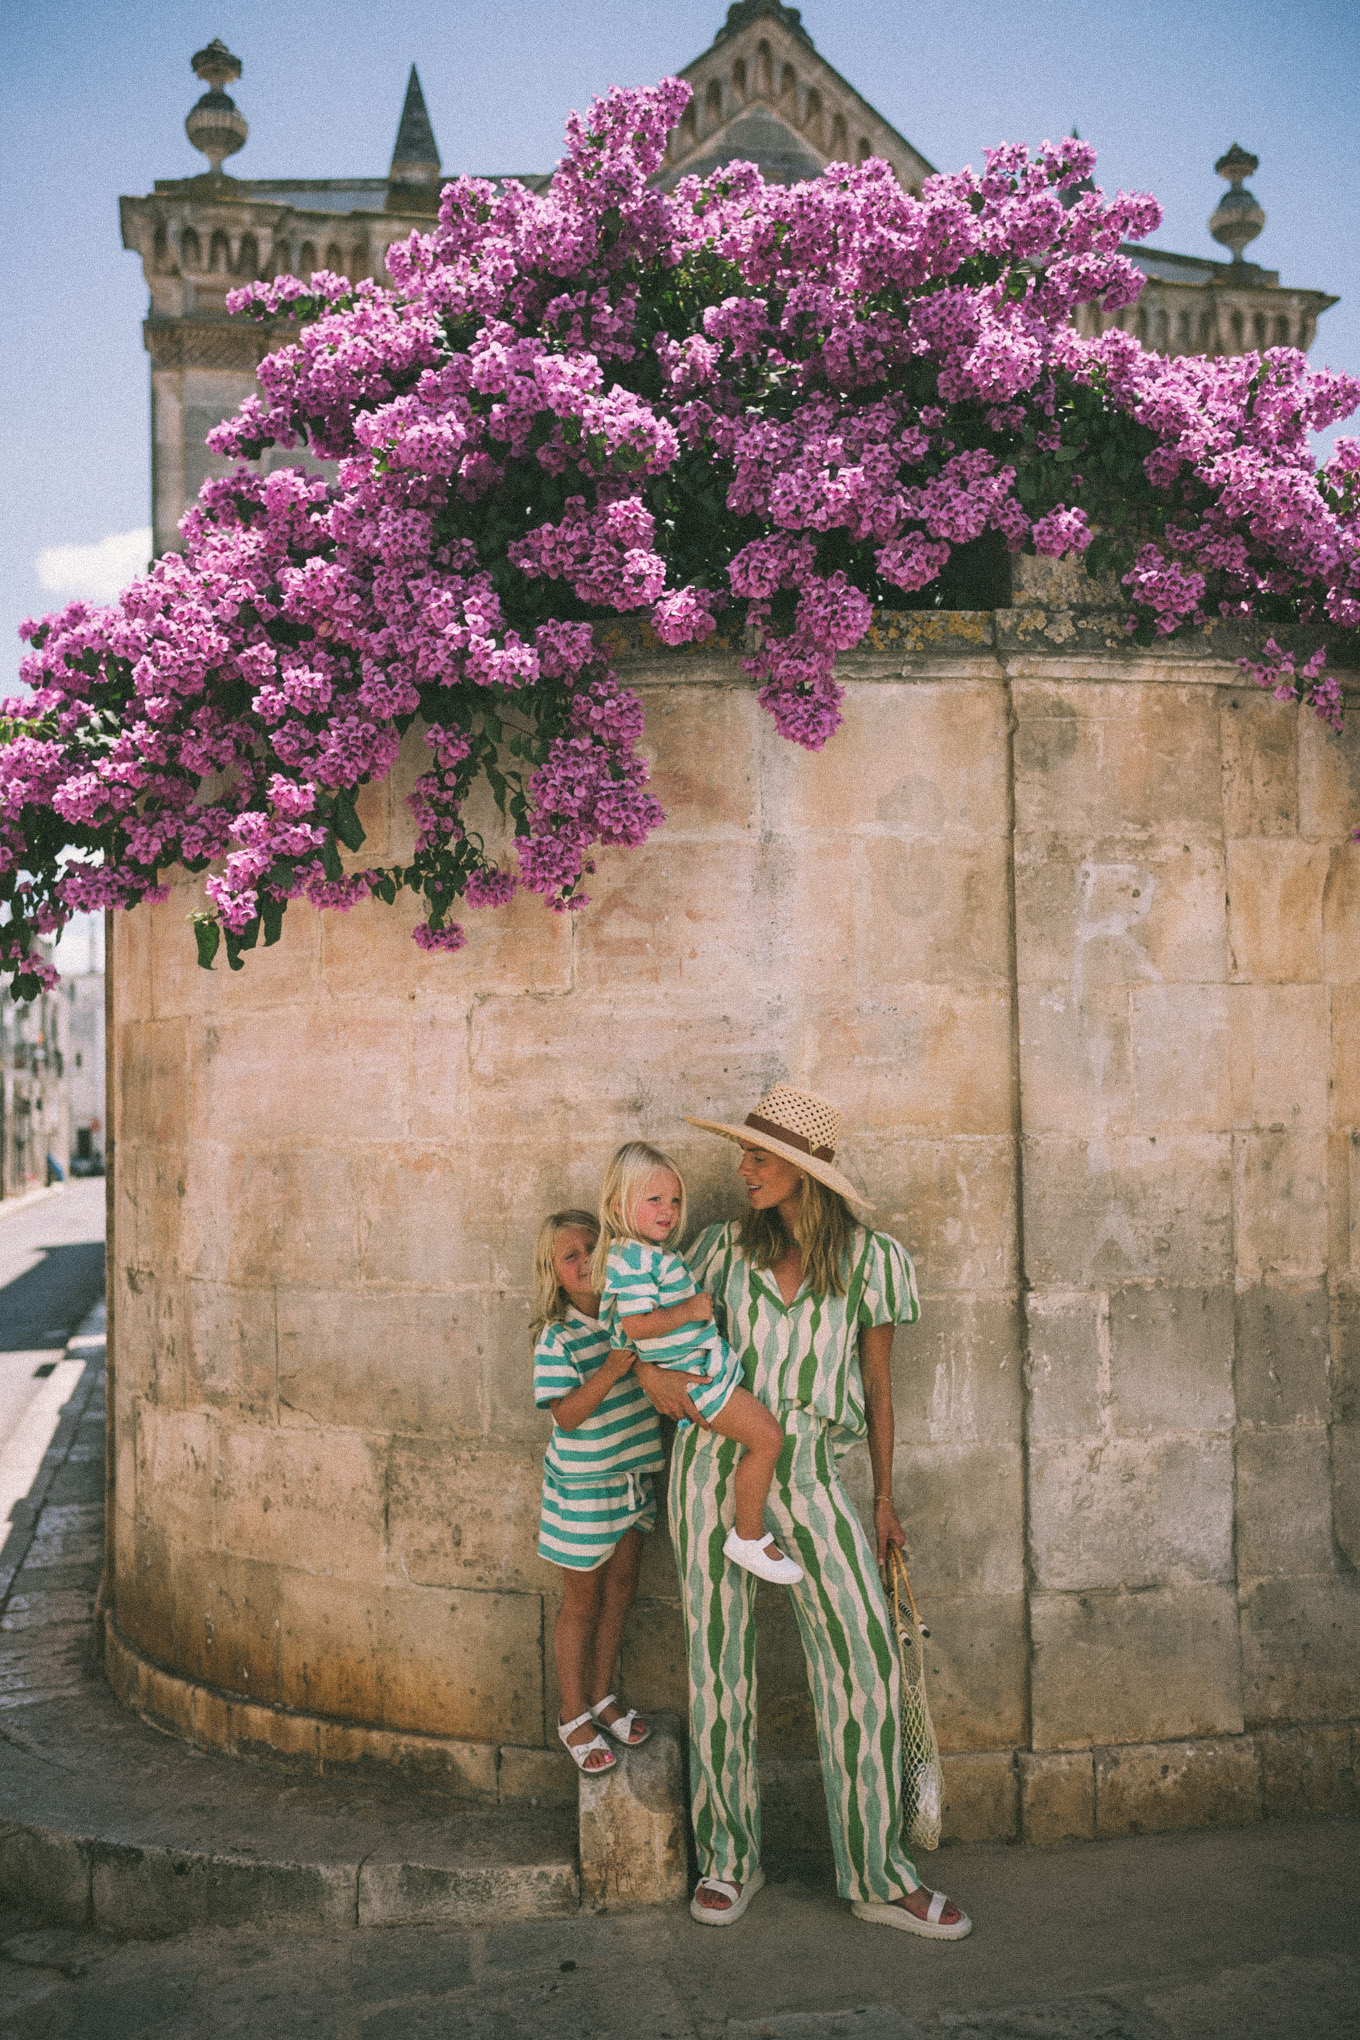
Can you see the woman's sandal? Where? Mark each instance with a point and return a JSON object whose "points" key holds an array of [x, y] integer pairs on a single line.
{"points": [[578, 1752], [932, 1927], [707, 1916], [621, 1730]]}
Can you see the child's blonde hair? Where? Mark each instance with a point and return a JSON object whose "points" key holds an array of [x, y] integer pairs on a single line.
{"points": [[551, 1301], [630, 1170]]}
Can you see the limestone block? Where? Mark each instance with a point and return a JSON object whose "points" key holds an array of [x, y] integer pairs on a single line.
{"points": [[1280, 1194], [951, 1202], [1341, 915], [925, 762], [1279, 1055], [412, 1206], [1164, 1786], [1329, 778], [152, 1336], [1345, 1057], [1143, 1208], [309, 1499], [209, 1615], [1275, 890], [1260, 752], [1107, 760], [151, 1064], [956, 1374], [1131, 1513], [294, 1217], [354, 1074], [129, 958], [652, 1664], [662, 916], [1309, 1770], [538, 1777], [1346, 1490], [175, 1468], [381, 1360], [938, 913], [962, 1509], [936, 1061], [275, 979], [463, 1516], [1091, 914], [634, 1848], [1063, 1363], [369, 953], [508, 1370], [1281, 1353], [1075, 1061], [1301, 1649], [151, 1207], [1057, 1797], [702, 746], [1171, 1360], [980, 1800], [1182, 1057], [1284, 1503], [975, 1667], [1111, 1668]]}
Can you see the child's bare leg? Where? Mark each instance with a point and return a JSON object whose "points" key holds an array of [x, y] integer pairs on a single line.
{"points": [[620, 1589], [573, 1645], [745, 1418]]}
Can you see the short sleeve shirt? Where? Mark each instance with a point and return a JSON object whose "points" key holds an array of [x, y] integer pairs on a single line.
{"points": [[641, 1278], [805, 1354], [623, 1435]]}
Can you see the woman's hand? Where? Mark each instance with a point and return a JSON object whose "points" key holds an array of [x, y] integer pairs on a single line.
{"points": [[700, 1308], [669, 1392], [887, 1529]]}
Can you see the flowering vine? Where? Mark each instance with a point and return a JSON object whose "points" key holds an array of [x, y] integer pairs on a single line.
{"points": [[778, 407]]}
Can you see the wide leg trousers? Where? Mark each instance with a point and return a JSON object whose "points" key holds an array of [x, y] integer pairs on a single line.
{"points": [[853, 1669]]}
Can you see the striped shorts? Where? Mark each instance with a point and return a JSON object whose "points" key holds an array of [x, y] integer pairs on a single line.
{"points": [[715, 1359], [583, 1521]]}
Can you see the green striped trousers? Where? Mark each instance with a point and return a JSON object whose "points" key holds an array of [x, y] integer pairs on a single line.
{"points": [[852, 1662]]}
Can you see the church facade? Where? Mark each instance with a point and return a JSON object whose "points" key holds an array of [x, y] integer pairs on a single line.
{"points": [[762, 93]]}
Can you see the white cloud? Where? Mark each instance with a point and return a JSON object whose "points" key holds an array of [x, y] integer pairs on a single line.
{"points": [[97, 571]]}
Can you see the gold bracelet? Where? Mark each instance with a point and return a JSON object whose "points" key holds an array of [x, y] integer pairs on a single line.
{"points": [[882, 1498]]}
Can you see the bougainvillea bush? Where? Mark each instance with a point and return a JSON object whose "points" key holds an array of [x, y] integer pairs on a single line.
{"points": [[736, 404]]}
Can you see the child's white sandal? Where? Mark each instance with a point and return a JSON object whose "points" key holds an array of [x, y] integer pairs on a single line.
{"points": [[753, 1553], [578, 1752], [621, 1730]]}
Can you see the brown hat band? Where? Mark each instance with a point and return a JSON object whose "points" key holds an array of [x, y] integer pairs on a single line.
{"points": [[789, 1139]]}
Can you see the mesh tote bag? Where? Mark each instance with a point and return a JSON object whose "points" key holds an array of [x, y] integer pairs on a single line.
{"points": [[922, 1778]]}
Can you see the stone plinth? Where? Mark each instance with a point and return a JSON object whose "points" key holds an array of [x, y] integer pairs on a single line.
{"points": [[1071, 933]]}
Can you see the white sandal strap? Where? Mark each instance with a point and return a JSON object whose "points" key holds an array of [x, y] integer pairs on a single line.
{"points": [[935, 1911], [566, 1727], [609, 1700], [721, 1886]]}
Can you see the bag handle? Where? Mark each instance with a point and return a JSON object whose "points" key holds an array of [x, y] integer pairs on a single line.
{"points": [[901, 1578]]}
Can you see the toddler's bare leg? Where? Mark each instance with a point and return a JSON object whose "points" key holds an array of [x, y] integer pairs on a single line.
{"points": [[745, 1418], [573, 1642]]}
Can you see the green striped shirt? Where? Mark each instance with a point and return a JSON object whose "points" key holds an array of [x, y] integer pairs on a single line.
{"points": [[622, 1436], [805, 1354], [641, 1278]]}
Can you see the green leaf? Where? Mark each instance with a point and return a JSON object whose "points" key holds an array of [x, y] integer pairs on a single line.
{"points": [[330, 858], [234, 947], [345, 821], [271, 916], [208, 935]]}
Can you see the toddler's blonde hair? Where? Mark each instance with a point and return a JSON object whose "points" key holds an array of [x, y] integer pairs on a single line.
{"points": [[551, 1301], [630, 1170]]}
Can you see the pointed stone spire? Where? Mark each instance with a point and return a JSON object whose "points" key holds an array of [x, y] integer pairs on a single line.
{"points": [[413, 180], [216, 126]]}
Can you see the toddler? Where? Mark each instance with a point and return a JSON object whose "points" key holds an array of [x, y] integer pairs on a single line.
{"points": [[648, 1299]]}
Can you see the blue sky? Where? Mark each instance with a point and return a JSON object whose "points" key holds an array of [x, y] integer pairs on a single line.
{"points": [[93, 100]]}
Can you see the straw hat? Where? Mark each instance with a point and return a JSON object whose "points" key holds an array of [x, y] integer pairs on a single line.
{"points": [[802, 1129]]}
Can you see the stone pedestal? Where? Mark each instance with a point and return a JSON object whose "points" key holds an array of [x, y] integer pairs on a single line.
{"points": [[633, 1825]]}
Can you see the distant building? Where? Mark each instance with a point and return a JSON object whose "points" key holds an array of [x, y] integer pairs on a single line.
{"points": [[35, 1104], [761, 92]]}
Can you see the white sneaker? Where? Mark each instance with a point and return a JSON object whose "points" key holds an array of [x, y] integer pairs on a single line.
{"points": [[753, 1553]]}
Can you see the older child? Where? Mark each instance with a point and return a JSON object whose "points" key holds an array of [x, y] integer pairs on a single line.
{"points": [[648, 1298], [597, 1487]]}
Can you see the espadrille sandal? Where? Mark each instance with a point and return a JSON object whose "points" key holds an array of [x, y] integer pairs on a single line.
{"points": [[622, 1729], [578, 1752], [707, 1917], [932, 1927]]}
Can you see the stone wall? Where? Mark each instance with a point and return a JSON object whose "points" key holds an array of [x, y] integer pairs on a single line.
{"points": [[1071, 933]]}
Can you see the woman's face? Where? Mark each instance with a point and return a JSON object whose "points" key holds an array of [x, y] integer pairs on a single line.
{"points": [[572, 1249], [657, 1211], [769, 1179]]}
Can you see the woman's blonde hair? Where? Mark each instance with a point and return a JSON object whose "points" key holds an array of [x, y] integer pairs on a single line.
{"points": [[551, 1301], [630, 1170], [823, 1229]]}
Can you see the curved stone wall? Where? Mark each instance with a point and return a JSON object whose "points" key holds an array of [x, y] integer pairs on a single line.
{"points": [[1072, 935]]}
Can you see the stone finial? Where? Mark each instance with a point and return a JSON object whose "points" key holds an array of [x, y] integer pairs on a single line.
{"points": [[743, 12], [413, 179], [1237, 218], [216, 126]]}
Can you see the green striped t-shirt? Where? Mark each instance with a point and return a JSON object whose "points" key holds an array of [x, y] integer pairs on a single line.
{"points": [[622, 1436], [641, 1278], [805, 1354]]}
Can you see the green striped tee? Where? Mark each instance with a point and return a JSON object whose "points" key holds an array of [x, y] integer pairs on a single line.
{"points": [[805, 1354], [640, 1278], [623, 1435]]}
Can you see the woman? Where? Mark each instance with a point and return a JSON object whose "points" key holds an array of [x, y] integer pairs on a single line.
{"points": [[808, 1299]]}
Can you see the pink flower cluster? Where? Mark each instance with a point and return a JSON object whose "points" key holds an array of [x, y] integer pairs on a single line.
{"points": [[777, 405]]}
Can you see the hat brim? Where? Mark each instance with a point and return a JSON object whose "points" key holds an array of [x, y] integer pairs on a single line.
{"points": [[811, 1165]]}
